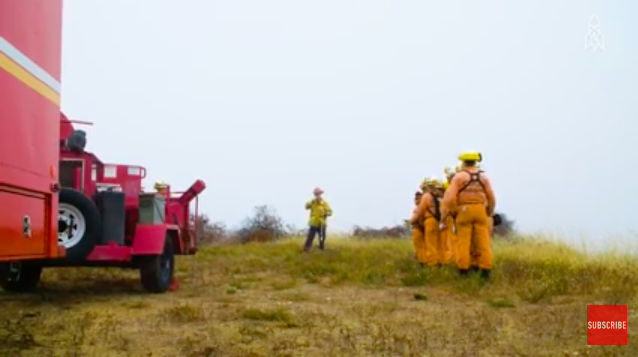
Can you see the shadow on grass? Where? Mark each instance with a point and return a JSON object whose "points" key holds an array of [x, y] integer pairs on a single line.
{"points": [[70, 287]]}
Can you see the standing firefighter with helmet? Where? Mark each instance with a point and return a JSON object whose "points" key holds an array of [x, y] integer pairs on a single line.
{"points": [[319, 212], [418, 230], [471, 200], [428, 212], [442, 247], [448, 222]]}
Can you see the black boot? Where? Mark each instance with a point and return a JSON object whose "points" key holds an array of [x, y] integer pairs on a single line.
{"points": [[485, 274], [463, 272]]}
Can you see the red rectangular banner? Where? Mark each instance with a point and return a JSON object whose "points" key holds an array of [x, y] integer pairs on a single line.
{"points": [[607, 324]]}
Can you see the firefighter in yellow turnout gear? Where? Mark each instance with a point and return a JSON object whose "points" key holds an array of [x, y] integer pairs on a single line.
{"points": [[443, 245], [471, 200], [428, 211], [320, 210], [450, 224], [417, 231]]}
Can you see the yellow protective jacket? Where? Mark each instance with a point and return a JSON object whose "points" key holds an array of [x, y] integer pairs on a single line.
{"points": [[319, 211]]}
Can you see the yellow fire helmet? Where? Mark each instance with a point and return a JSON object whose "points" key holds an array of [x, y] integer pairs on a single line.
{"points": [[160, 185], [434, 182], [471, 156], [446, 185], [428, 182], [424, 184]]}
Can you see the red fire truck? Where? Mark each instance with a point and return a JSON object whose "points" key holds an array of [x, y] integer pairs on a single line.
{"points": [[61, 205]]}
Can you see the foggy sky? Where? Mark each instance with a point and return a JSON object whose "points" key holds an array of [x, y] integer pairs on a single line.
{"points": [[265, 100]]}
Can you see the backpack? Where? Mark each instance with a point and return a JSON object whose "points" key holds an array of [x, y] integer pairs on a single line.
{"points": [[437, 210]]}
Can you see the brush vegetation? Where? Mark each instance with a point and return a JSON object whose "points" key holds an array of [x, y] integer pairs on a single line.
{"points": [[358, 298]]}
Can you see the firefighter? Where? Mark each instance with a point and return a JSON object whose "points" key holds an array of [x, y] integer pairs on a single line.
{"points": [[443, 247], [473, 254], [471, 199], [319, 212], [449, 222], [428, 211], [417, 231]]}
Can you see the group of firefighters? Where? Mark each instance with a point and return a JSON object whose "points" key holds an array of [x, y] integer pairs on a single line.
{"points": [[453, 218], [451, 222]]}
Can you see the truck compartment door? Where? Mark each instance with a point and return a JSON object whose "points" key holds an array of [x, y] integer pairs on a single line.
{"points": [[24, 231]]}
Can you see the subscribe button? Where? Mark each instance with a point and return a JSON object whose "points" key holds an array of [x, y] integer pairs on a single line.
{"points": [[607, 324]]}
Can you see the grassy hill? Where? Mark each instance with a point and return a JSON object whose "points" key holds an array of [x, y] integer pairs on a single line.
{"points": [[358, 298]]}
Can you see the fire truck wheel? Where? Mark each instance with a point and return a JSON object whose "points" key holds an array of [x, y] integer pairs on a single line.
{"points": [[79, 224], [21, 280], [156, 271]]}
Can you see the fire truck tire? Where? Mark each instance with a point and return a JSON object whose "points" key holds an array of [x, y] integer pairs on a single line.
{"points": [[25, 280], [156, 271], [79, 224]]}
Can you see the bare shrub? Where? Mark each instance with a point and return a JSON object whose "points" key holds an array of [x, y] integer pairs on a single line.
{"points": [[264, 226], [210, 232], [395, 232]]}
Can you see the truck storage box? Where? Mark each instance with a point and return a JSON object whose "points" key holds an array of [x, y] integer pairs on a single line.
{"points": [[151, 209], [111, 207]]}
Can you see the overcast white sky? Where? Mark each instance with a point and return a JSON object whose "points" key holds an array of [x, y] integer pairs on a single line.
{"points": [[265, 100]]}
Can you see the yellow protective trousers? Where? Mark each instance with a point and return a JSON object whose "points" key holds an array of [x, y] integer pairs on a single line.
{"points": [[473, 229], [435, 246], [453, 243], [418, 241], [473, 254]]}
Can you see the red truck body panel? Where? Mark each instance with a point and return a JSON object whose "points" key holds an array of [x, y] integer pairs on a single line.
{"points": [[30, 57]]}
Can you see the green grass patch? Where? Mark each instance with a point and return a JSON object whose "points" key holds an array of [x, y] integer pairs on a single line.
{"points": [[533, 269]]}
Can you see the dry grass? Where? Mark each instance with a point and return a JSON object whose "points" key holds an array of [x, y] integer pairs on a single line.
{"points": [[355, 299]]}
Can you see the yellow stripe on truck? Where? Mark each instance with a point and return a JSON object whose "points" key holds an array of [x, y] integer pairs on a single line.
{"points": [[28, 79]]}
